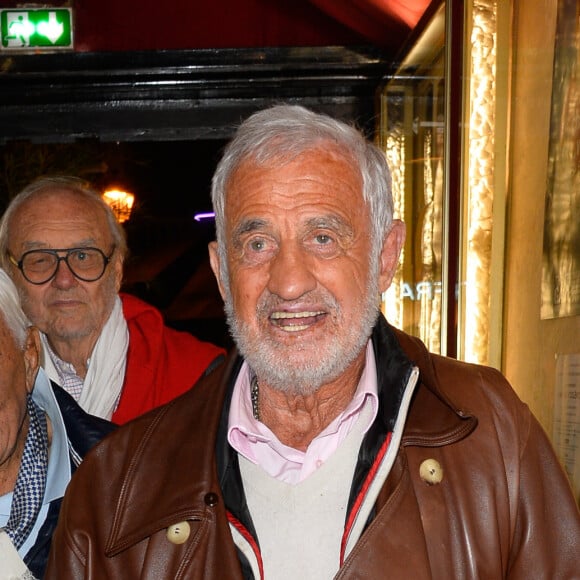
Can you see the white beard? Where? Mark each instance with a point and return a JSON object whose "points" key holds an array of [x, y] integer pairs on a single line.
{"points": [[303, 369]]}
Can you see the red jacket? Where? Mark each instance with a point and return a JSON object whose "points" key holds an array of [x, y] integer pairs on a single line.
{"points": [[161, 362]]}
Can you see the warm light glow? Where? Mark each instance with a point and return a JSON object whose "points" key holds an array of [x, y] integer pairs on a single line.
{"points": [[121, 202], [478, 211]]}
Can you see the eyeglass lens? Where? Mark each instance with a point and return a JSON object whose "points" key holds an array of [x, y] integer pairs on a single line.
{"points": [[88, 264]]}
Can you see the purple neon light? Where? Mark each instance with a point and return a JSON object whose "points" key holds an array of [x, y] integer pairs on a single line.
{"points": [[198, 217]]}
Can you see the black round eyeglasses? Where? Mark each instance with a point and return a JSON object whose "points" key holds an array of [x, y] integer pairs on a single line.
{"points": [[40, 266]]}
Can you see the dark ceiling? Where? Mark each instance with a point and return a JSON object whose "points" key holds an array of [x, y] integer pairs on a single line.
{"points": [[151, 25]]}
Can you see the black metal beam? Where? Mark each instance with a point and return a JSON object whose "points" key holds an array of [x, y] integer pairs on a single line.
{"points": [[174, 95]]}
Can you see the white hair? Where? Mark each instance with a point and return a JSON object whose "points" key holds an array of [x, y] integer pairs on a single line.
{"points": [[281, 133], [12, 312]]}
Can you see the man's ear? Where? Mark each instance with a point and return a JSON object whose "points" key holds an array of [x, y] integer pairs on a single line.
{"points": [[392, 246], [32, 350], [215, 263], [118, 267]]}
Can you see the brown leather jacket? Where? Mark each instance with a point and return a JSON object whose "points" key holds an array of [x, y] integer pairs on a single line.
{"points": [[491, 502]]}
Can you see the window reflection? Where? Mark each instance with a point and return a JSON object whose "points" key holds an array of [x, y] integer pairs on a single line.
{"points": [[413, 108]]}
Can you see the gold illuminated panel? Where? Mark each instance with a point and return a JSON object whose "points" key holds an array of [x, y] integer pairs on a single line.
{"points": [[478, 199]]}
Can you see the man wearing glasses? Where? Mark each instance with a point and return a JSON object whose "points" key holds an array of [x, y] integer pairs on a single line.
{"points": [[63, 248]]}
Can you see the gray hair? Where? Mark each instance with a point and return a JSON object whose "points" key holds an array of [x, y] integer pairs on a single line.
{"points": [[283, 132], [12, 312], [60, 182]]}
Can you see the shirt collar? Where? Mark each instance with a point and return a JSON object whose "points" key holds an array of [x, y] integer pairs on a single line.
{"points": [[59, 471], [242, 423], [62, 366]]}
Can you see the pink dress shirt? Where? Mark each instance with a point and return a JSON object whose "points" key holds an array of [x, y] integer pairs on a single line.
{"points": [[258, 444]]}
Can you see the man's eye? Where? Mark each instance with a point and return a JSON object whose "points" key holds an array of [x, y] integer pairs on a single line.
{"points": [[323, 239], [256, 245], [38, 261]]}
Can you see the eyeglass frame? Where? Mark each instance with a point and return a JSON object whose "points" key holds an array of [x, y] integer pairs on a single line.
{"points": [[59, 259]]}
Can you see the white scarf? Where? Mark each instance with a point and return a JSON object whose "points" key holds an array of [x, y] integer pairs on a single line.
{"points": [[12, 568], [106, 372]]}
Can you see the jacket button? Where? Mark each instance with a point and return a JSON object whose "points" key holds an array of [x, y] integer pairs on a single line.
{"points": [[211, 499], [431, 471], [178, 533]]}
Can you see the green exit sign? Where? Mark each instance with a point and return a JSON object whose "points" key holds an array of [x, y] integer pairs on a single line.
{"points": [[36, 29]]}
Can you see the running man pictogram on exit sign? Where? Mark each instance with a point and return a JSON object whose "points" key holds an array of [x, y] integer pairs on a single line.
{"points": [[36, 29]]}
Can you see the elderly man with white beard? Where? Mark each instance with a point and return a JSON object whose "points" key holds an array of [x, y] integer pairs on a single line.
{"points": [[330, 444]]}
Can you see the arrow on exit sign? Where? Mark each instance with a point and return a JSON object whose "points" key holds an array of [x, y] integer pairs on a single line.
{"points": [[36, 29]]}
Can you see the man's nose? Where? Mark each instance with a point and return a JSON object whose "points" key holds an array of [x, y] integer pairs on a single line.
{"points": [[63, 277], [291, 273]]}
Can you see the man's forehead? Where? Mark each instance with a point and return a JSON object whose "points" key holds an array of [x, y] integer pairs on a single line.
{"points": [[299, 179], [56, 204], [309, 165], [45, 218], [56, 192], [271, 155]]}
